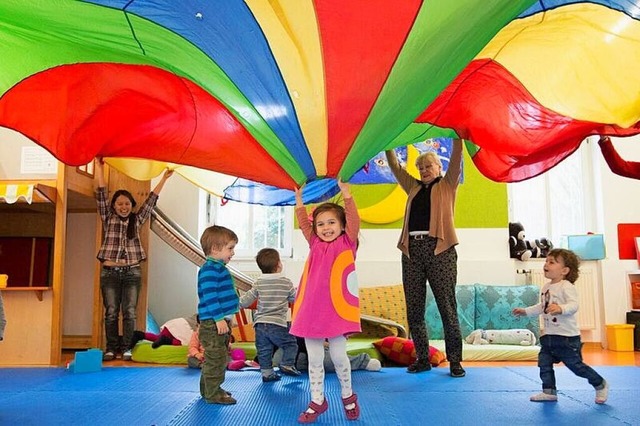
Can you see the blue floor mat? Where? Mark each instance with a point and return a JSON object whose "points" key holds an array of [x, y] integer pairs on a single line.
{"points": [[170, 396]]}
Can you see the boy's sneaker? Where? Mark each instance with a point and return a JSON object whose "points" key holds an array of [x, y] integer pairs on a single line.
{"points": [[289, 370], [127, 355], [543, 397], [373, 365], [602, 394], [108, 356], [273, 377], [224, 399]]}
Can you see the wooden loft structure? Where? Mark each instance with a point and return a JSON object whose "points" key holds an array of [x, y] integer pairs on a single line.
{"points": [[35, 313]]}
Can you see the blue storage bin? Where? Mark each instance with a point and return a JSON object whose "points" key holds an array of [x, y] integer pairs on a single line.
{"points": [[588, 247]]}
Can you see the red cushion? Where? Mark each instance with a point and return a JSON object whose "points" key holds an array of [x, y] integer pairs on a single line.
{"points": [[402, 351]]}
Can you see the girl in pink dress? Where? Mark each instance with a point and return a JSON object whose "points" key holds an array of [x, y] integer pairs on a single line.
{"points": [[327, 305]]}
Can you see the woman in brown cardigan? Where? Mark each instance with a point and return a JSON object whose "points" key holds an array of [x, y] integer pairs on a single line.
{"points": [[428, 243]]}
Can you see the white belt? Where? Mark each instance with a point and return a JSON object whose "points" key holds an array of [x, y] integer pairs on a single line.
{"points": [[418, 235]]}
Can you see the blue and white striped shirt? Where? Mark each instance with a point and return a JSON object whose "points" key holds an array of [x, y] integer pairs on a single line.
{"points": [[216, 292]]}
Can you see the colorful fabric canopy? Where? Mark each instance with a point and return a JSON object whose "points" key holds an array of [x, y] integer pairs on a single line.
{"points": [[293, 91]]}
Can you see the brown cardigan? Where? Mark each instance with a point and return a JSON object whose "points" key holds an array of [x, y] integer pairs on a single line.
{"points": [[443, 199]]}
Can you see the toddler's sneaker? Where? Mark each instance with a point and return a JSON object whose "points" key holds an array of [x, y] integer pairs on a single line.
{"points": [[373, 365], [543, 397], [602, 394], [224, 399], [289, 370], [108, 356], [127, 355], [273, 377]]}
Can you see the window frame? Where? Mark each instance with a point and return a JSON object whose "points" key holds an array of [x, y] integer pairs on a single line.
{"points": [[214, 203], [544, 206]]}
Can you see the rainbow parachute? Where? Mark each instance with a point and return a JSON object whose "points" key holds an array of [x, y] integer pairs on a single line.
{"points": [[294, 91]]}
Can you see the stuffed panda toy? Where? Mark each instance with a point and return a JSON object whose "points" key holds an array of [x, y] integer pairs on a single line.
{"points": [[545, 246], [519, 247]]}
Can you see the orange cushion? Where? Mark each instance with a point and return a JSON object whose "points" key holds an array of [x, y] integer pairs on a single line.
{"points": [[403, 352]]}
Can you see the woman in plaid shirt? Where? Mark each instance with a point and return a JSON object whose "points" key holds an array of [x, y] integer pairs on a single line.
{"points": [[120, 254]]}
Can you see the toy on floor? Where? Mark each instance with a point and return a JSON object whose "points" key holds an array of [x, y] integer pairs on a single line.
{"points": [[88, 361], [516, 336], [239, 360]]}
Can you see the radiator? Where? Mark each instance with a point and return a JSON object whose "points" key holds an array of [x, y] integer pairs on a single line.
{"points": [[586, 286]]}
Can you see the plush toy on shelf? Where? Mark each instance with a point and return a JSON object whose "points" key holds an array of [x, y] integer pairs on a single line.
{"points": [[520, 248], [545, 245]]}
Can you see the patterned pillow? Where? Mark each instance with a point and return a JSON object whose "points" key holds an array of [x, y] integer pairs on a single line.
{"points": [[402, 351], [466, 298], [384, 301], [494, 304]]}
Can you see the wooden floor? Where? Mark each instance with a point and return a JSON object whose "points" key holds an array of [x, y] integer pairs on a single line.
{"points": [[592, 354]]}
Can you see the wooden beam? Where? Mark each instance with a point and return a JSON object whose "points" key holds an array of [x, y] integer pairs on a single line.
{"points": [[45, 192], [59, 251]]}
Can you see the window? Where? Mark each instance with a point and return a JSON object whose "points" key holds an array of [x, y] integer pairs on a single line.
{"points": [[558, 202], [256, 226]]}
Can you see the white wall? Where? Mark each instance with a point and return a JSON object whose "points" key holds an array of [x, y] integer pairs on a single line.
{"points": [[172, 278], [620, 204], [77, 317]]}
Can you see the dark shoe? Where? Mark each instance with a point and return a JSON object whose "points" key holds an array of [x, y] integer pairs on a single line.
{"points": [[289, 370], [109, 355], [162, 340], [273, 377], [224, 399], [136, 337], [419, 366], [456, 370], [316, 411], [351, 413], [126, 355]]}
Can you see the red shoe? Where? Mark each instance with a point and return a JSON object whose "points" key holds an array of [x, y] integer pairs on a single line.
{"points": [[317, 410], [353, 413]]}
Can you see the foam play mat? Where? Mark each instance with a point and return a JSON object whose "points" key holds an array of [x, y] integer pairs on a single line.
{"points": [[170, 396]]}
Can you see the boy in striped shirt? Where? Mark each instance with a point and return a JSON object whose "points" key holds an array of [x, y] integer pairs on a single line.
{"points": [[218, 302], [274, 293]]}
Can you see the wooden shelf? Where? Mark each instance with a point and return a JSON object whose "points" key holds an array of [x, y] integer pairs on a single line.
{"points": [[37, 290]]}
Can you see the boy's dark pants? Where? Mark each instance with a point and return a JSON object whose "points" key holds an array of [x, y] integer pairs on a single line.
{"points": [[216, 349]]}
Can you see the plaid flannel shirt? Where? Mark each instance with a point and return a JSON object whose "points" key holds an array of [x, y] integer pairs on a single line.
{"points": [[115, 244]]}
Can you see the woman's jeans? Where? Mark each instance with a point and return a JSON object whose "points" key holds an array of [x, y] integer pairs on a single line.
{"points": [[568, 350], [120, 288]]}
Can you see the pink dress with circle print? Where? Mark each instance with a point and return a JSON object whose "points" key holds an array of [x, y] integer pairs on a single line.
{"points": [[327, 303]]}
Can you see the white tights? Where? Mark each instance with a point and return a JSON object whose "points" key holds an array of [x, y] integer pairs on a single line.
{"points": [[338, 353]]}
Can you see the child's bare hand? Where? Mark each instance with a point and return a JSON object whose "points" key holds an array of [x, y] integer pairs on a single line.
{"points": [[553, 309], [222, 326], [298, 192], [344, 188], [519, 312]]}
